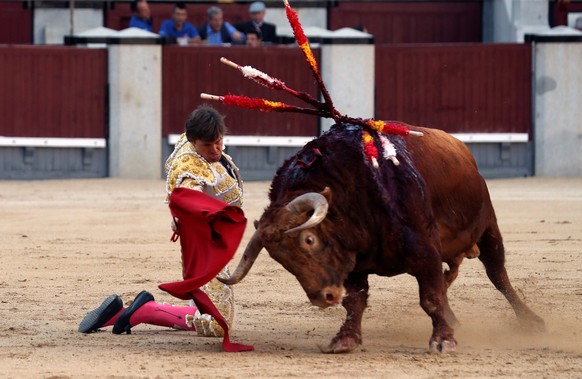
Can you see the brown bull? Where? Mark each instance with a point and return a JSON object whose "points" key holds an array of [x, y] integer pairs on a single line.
{"points": [[334, 219]]}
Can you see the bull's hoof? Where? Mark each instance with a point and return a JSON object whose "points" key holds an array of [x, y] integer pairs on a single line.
{"points": [[340, 345], [444, 346]]}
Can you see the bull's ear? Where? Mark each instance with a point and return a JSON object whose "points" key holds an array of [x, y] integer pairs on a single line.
{"points": [[256, 224], [327, 194]]}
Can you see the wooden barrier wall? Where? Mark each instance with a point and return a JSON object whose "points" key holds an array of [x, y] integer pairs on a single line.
{"points": [[411, 22], [53, 91], [15, 22], [460, 88], [61, 91], [188, 71]]}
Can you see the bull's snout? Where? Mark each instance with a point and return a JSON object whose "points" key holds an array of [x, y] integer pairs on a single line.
{"points": [[331, 295]]}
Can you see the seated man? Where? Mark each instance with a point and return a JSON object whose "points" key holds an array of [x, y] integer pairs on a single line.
{"points": [[216, 31], [142, 17], [268, 31], [178, 28]]}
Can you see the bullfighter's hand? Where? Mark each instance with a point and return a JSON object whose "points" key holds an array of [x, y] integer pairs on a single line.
{"points": [[174, 225]]}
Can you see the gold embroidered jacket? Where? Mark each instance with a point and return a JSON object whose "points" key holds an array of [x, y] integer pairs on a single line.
{"points": [[186, 168]]}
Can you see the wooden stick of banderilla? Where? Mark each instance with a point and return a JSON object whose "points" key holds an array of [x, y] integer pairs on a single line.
{"points": [[207, 96]]}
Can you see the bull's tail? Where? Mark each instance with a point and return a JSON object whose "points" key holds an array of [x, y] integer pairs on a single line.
{"points": [[492, 254]]}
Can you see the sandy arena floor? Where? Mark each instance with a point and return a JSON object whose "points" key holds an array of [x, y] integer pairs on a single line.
{"points": [[66, 245]]}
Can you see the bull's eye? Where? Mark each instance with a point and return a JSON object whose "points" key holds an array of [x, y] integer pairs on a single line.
{"points": [[309, 241]]}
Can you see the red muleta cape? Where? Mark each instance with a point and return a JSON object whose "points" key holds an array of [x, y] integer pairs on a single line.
{"points": [[210, 231]]}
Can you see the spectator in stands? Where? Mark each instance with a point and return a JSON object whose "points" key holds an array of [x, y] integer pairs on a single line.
{"points": [[216, 31], [257, 12], [253, 38], [179, 28], [142, 16]]}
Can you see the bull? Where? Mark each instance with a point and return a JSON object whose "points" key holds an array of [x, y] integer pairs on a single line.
{"points": [[333, 220]]}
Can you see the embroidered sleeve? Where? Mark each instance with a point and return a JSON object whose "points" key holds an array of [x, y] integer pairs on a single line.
{"points": [[184, 165], [191, 184]]}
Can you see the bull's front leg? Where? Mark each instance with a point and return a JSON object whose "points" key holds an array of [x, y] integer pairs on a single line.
{"points": [[355, 301], [432, 300]]}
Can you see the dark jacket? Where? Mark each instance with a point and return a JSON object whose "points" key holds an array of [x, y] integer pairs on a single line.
{"points": [[268, 30], [223, 33]]}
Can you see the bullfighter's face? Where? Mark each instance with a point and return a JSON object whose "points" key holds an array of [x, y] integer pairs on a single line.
{"points": [[210, 150]]}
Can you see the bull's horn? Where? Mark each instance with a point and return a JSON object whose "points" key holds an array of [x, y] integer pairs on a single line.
{"points": [[246, 262], [305, 202]]}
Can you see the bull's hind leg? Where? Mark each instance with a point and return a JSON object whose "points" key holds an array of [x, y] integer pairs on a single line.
{"points": [[355, 302], [493, 258], [450, 275]]}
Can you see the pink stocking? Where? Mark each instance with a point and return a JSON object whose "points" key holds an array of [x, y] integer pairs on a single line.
{"points": [[163, 315]]}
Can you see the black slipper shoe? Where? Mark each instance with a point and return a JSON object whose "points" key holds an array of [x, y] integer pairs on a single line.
{"points": [[100, 315], [122, 323]]}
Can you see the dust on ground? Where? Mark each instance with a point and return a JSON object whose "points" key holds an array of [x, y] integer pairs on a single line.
{"points": [[67, 244]]}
